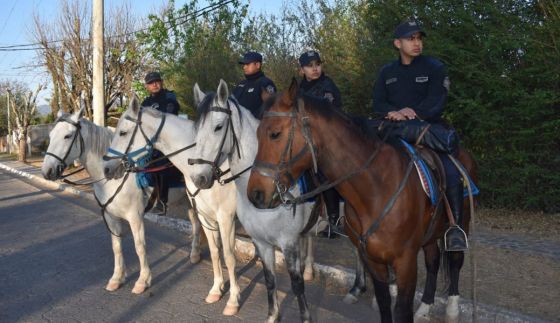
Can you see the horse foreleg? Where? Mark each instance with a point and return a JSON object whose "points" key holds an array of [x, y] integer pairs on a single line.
{"points": [[380, 277], [119, 272], [227, 232], [215, 292], [431, 260], [455, 261], [359, 282], [306, 247], [145, 278], [195, 245], [266, 252], [406, 273], [292, 256]]}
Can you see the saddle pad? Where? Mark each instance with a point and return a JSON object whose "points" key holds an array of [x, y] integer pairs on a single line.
{"points": [[424, 173]]}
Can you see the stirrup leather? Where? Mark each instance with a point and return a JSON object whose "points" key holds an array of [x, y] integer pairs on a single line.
{"points": [[464, 236]]}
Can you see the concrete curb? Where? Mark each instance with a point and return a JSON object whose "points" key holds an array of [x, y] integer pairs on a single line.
{"points": [[342, 276]]}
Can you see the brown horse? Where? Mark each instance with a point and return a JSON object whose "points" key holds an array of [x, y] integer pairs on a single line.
{"points": [[388, 215]]}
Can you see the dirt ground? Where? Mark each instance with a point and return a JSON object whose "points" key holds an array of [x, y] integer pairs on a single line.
{"points": [[516, 280]]}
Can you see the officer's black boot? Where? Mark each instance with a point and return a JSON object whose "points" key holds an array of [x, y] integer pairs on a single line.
{"points": [[455, 237], [333, 214]]}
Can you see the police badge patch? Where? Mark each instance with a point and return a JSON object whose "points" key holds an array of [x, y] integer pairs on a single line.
{"points": [[270, 89], [421, 79], [329, 96]]}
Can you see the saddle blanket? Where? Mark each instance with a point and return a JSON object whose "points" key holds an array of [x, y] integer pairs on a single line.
{"points": [[426, 176]]}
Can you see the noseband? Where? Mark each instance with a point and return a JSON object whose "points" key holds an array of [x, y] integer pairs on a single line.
{"points": [[129, 158], [217, 173], [77, 134], [276, 171]]}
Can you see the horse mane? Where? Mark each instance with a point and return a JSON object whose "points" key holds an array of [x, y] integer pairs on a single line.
{"points": [[327, 110], [99, 137], [206, 103]]}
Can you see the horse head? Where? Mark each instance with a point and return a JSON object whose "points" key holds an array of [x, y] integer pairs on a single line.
{"points": [[215, 139], [283, 150], [65, 145], [131, 133]]}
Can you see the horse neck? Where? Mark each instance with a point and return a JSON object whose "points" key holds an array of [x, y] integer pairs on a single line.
{"points": [[337, 158], [96, 142], [176, 133], [245, 126]]}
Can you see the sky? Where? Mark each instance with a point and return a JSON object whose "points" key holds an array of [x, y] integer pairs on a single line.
{"points": [[16, 21]]}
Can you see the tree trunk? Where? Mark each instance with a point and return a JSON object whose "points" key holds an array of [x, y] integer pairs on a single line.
{"points": [[22, 143]]}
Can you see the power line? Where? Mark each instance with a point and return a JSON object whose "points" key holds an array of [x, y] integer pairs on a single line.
{"points": [[195, 14]]}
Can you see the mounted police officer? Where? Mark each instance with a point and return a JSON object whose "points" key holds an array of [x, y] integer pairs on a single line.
{"points": [[316, 83], [165, 101], [249, 91], [416, 87]]}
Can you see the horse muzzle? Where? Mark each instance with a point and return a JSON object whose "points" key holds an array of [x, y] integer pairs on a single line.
{"points": [[113, 169], [53, 173]]}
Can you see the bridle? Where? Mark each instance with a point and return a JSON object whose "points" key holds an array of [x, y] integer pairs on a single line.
{"points": [[77, 135], [129, 159], [282, 169], [217, 173]]}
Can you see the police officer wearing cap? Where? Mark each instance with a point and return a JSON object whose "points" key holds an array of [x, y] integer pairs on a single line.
{"points": [[249, 91], [162, 100], [416, 86], [315, 83]]}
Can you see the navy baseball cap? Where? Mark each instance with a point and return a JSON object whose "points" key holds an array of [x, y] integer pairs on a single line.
{"points": [[250, 57], [408, 28], [152, 77], [308, 57]]}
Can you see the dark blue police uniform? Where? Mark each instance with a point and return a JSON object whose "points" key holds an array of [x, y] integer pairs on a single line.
{"points": [[248, 92], [323, 87], [164, 101]]}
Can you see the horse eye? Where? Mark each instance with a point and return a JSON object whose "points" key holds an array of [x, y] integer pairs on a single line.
{"points": [[122, 133], [275, 135], [68, 136], [218, 128]]}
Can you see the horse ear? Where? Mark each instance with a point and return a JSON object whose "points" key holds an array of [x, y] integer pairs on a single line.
{"points": [[198, 95], [60, 113], [289, 96], [134, 105], [223, 92]]}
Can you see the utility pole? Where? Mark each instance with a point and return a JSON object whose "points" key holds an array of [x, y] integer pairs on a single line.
{"points": [[98, 64], [9, 123]]}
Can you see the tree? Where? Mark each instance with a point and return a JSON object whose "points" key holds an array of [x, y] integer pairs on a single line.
{"points": [[23, 107], [67, 54]]}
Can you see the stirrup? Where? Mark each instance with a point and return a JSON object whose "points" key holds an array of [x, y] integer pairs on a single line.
{"points": [[455, 239]]}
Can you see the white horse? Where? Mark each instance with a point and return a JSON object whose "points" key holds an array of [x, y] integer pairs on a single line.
{"points": [[74, 138], [227, 131], [216, 208]]}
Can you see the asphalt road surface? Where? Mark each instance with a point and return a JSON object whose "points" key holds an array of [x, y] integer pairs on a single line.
{"points": [[56, 258]]}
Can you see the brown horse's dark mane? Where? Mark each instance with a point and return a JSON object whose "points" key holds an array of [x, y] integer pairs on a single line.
{"points": [[327, 110]]}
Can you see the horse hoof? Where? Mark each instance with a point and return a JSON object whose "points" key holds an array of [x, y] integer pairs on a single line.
{"points": [[308, 275], [422, 315], [451, 319], [195, 259], [230, 310], [452, 310], [272, 319], [350, 299], [212, 298], [112, 286], [139, 288]]}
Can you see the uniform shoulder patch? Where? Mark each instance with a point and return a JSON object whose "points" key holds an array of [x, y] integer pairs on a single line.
{"points": [[329, 96], [391, 80], [270, 89]]}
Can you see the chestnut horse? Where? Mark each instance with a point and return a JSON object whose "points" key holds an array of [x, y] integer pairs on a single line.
{"points": [[388, 215]]}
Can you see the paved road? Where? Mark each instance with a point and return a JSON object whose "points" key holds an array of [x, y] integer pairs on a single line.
{"points": [[55, 259]]}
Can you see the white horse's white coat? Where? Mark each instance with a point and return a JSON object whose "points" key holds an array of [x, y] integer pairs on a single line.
{"points": [[128, 205], [267, 227], [216, 207]]}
